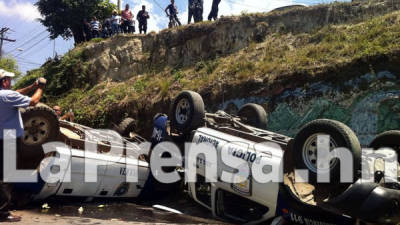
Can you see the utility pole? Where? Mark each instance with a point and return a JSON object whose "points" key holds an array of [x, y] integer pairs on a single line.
{"points": [[119, 5], [3, 31], [54, 49]]}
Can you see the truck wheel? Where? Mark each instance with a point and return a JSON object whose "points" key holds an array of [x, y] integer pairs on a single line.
{"points": [[126, 127], [253, 115], [187, 112], [305, 147], [389, 139], [40, 126]]}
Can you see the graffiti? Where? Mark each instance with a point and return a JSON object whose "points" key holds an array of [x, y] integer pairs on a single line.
{"points": [[369, 104], [364, 120]]}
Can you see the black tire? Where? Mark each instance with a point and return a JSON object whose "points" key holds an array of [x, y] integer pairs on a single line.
{"points": [[187, 112], [389, 139], [40, 126], [340, 136], [126, 127], [253, 115]]}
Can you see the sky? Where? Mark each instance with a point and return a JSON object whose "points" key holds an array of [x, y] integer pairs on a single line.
{"points": [[33, 46]]}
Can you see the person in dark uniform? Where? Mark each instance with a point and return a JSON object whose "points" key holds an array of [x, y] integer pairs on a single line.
{"points": [[195, 11], [172, 12], [198, 10], [87, 30], [190, 10], [142, 17], [10, 119], [214, 10]]}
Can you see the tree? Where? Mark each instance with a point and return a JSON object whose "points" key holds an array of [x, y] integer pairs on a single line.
{"points": [[10, 65], [65, 17]]}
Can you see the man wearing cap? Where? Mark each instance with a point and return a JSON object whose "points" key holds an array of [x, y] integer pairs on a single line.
{"points": [[10, 118]]}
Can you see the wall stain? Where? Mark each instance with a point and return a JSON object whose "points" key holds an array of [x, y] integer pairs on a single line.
{"points": [[369, 104]]}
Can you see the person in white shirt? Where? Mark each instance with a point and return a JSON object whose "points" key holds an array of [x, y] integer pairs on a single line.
{"points": [[96, 27], [115, 22]]}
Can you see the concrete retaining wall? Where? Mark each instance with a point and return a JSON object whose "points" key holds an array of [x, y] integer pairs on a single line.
{"points": [[369, 104]]}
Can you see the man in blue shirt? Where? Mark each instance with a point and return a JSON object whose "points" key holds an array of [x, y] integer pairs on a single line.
{"points": [[10, 118]]}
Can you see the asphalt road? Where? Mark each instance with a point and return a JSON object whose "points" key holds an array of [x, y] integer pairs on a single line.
{"points": [[98, 212]]}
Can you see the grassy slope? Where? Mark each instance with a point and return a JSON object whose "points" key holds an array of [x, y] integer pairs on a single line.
{"points": [[280, 58]]}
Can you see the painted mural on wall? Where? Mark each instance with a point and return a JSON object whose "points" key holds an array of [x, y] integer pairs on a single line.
{"points": [[369, 104]]}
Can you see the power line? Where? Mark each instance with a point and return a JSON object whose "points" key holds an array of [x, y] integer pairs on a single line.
{"points": [[27, 35], [23, 60], [40, 47], [30, 47], [54, 49], [28, 41], [158, 4], [29, 64]]}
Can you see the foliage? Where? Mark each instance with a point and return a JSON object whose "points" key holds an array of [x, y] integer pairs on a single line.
{"points": [[281, 57], [70, 72], [10, 65], [65, 17], [209, 66], [177, 74], [104, 9], [97, 40]]}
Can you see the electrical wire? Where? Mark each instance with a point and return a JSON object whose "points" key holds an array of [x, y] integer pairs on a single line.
{"points": [[41, 47], [158, 4], [29, 64], [19, 60], [30, 47], [28, 41], [27, 34]]}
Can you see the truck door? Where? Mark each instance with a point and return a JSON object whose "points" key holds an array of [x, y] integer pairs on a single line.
{"points": [[78, 186], [114, 182]]}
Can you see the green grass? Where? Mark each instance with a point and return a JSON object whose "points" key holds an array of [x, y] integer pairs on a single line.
{"points": [[332, 45], [279, 55], [96, 40]]}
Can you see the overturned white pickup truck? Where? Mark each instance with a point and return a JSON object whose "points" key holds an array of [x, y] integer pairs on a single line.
{"points": [[369, 198], [109, 168]]}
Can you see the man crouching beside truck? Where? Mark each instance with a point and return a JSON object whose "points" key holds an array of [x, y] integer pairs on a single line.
{"points": [[10, 119]]}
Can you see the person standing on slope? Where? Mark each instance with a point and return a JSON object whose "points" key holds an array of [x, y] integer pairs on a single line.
{"points": [[214, 10], [142, 17], [195, 11], [191, 7], [128, 24], [198, 11], [115, 22], [96, 27], [172, 12]]}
